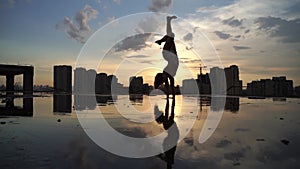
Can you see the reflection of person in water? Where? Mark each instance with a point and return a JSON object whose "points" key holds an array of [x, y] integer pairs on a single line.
{"points": [[170, 55], [170, 142]]}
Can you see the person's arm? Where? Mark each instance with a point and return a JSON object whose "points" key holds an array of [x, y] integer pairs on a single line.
{"points": [[167, 109], [173, 109]]}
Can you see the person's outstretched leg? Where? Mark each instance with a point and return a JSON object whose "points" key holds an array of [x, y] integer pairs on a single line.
{"points": [[169, 27]]}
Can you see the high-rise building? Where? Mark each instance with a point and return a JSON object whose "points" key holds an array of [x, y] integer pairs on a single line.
{"points": [[278, 87], [62, 89], [189, 86], [297, 91], [136, 85], [100, 84], [282, 87], [63, 79], [234, 84], [84, 89], [203, 82], [217, 77]]}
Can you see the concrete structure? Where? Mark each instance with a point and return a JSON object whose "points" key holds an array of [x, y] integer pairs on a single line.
{"points": [[62, 99], [10, 71]]}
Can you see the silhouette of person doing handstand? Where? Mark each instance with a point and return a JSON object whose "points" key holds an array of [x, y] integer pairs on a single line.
{"points": [[170, 55]]}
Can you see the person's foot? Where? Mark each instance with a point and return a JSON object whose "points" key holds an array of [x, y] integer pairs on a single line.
{"points": [[158, 42], [171, 17]]}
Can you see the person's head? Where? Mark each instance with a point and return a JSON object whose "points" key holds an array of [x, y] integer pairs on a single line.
{"points": [[158, 80]]}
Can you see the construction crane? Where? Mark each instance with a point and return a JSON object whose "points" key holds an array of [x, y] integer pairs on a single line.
{"points": [[201, 68]]}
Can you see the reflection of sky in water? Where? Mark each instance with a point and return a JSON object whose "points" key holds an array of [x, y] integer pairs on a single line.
{"points": [[247, 138]]}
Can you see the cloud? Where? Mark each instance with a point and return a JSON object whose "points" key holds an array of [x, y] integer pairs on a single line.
{"points": [[117, 1], [11, 3], [233, 22], [80, 29], [160, 5], [186, 60], [138, 56], [72, 30], [222, 35], [287, 30], [147, 61], [237, 48], [135, 42], [205, 9], [86, 14], [148, 24], [188, 37]]}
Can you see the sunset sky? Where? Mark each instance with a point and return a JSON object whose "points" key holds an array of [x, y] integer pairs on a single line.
{"points": [[261, 37]]}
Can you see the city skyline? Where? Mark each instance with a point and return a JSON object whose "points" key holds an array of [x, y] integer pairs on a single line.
{"points": [[261, 37], [207, 73]]}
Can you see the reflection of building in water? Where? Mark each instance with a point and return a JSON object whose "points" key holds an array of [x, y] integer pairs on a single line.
{"points": [[232, 103], [84, 102], [136, 85], [204, 101], [10, 109], [189, 86], [106, 99], [62, 101], [138, 98], [277, 86]]}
